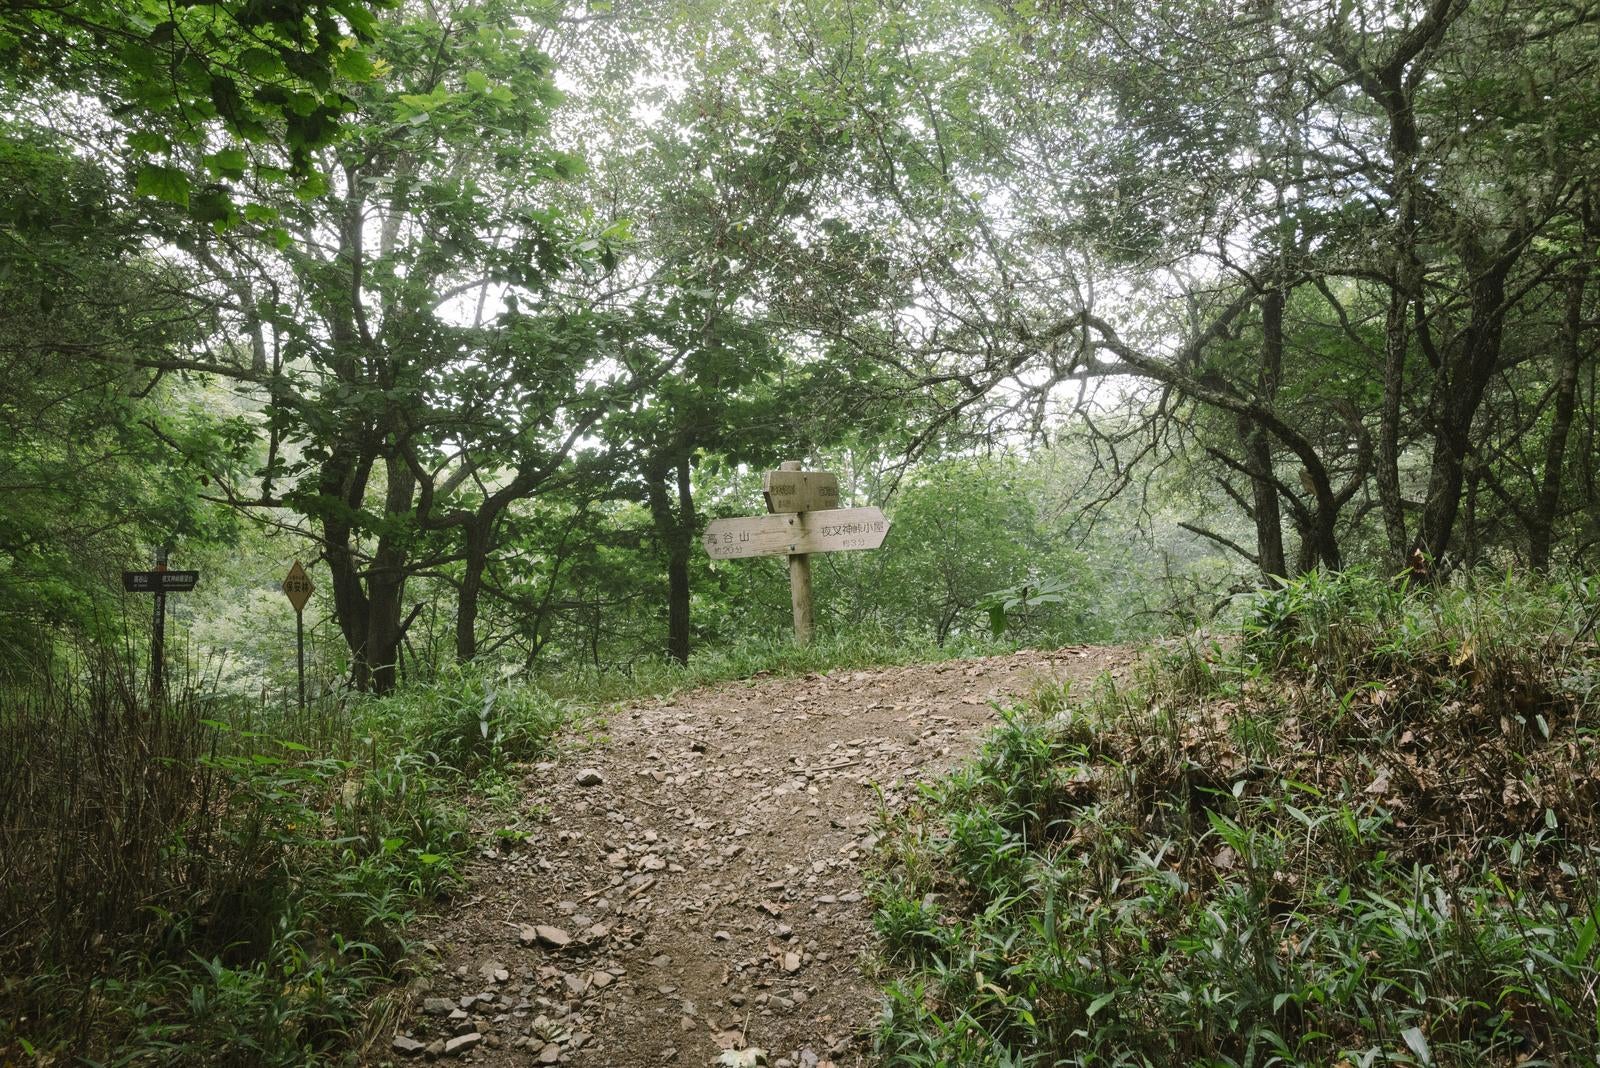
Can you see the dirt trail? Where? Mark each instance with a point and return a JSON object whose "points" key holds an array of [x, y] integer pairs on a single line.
{"points": [[696, 887]]}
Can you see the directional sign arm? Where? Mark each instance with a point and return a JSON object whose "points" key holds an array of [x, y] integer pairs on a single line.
{"points": [[159, 581], [826, 531], [800, 491]]}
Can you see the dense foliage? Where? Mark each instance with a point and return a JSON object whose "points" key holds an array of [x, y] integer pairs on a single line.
{"points": [[1362, 834], [478, 339], [484, 308]]}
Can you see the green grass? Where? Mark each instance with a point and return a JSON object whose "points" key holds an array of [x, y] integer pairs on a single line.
{"points": [[206, 882], [1364, 832], [218, 882]]}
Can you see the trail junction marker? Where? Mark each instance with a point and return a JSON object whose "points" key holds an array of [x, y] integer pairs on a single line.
{"points": [[160, 582], [805, 518]]}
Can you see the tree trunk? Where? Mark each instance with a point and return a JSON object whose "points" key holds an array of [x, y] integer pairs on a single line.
{"points": [[386, 581], [1258, 449], [678, 569], [475, 564], [1568, 359], [1458, 389], [1396, 341], [343, 479], [674, 525]]}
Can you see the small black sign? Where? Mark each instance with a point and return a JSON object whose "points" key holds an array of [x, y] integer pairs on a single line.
{"points": [[159, 581]]}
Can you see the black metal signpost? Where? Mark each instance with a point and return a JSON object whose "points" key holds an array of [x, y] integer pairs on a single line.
{"points": [[160, 582]]}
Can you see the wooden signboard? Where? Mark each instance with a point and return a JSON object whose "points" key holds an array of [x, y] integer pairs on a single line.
{"points": [[800, 491], [159, 581], [829, 531], [806, 519]]}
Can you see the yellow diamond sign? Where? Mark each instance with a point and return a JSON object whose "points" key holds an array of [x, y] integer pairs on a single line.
{"points": [[297, 587]]}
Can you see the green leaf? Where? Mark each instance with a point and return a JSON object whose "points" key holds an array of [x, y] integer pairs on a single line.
{"points": [[361, 20], [314, 186], [355, 64], [213, 206], [477, 81], [145, 141], [1099, 1003], [1418, 1043], [260, 63], [164, 183], [228, 163]]}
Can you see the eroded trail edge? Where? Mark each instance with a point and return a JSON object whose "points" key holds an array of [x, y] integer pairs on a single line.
{"points": [[696, 886]]}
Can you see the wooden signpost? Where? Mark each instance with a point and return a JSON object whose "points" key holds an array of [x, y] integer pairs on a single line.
{"points": [[828, 531], [298, 588], [805, 519], [788, 490], [160, 582]]}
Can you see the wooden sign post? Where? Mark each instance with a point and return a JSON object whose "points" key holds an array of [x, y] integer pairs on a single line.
{"points": [[805, 519], [160, 582], [298, 588]]}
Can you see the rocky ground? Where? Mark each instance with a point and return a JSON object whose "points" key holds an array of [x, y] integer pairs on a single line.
{"points": [[693, 892]]}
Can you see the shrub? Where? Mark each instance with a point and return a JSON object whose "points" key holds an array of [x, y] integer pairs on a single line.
{"points": [[177, 888], [1363, 833]]}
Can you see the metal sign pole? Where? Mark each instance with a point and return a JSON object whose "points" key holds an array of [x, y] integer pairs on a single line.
{"points": [[298, 588], [158, 640]]}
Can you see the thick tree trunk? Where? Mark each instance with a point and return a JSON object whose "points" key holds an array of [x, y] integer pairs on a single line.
{"points": [[386, 591], [674, 523], [1325, 539], [343, 478], [1258, 449], [1568, 359], [345, 474], [1388, 85], [678, 569], [1457, 392], [475, 564], [386, 582]]}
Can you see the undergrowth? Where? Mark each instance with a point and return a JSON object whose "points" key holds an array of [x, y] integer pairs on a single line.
{"points": [[218, 881], [1363, 832], [203, 881]]}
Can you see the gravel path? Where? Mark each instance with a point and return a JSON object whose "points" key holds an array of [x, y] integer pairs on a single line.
{"points": [[694, 895]]}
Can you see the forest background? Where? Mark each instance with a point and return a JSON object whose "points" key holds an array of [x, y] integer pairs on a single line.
{"points": [[482, 309], [485, 308]]}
